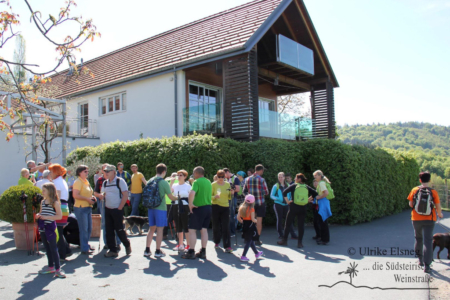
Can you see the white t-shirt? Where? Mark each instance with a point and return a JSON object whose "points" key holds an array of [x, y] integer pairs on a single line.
{"points": [[41, 182], [183, 189], [61, 185]]}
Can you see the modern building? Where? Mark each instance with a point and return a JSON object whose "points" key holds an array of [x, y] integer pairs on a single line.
{"points": [[220, 75]]}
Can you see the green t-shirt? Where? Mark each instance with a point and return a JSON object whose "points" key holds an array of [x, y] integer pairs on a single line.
{"points": [[203, 191], [164, 189], [24, 181], [168, 201]]}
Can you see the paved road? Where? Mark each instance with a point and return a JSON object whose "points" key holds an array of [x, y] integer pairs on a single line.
{"points": [[283, 273]]}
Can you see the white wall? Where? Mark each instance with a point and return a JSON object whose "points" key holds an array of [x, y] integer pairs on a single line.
{"points": [[12, 155], [150, 109]]}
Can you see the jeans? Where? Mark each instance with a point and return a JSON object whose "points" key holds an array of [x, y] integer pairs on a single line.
{"points": [[220, 224], [281, 212], [114, 224], [233, 216], [298, 211], [101, 208], [52, 251], [423, 233], [248, 244], [135, 199], [84, 218]]}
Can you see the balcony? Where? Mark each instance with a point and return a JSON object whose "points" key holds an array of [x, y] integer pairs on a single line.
{"points": [[81, 127], [284, 126]]}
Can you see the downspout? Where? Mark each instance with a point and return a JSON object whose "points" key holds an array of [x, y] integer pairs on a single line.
{"points": [[176, 100]]}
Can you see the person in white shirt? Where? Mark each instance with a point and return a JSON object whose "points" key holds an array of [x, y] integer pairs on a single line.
{"points": [[180, 208], [44, 179]]}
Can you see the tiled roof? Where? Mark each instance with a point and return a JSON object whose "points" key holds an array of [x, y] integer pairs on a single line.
{"points": [[210, 36]]}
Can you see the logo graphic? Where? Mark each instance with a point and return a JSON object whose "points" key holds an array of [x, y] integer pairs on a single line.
{"points": [[352, 272]]}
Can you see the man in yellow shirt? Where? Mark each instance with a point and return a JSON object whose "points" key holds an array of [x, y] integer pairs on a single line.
{"points": [[137, 179]]}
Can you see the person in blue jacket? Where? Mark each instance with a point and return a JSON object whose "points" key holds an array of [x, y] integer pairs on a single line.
{"points": [[280, 206]]}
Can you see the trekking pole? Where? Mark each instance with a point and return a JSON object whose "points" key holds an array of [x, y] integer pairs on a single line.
{"points": [[34, 227], [25, 221], [170, 227]]}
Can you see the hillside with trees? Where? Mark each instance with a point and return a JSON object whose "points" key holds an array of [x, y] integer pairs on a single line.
{"points": [[428, 143]]}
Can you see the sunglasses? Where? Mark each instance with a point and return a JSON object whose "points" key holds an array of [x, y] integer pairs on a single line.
{"points": [[180, 175], [220, 176]]}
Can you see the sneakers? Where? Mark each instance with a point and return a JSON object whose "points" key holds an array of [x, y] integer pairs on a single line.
{"points": [[60, 274], [217, 246], [201, 255], [159, 253], [229, 250], [179, 247], [259, 254], [128, 250], [47, 270], [147, 253], [244, 258], [187, 248], [189, 255], [282, 242], [111, 254]]}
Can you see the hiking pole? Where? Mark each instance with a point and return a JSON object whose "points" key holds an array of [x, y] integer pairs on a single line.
{"points": [[24, 197]]}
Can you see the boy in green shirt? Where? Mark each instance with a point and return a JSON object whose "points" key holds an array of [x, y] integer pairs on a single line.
{"points": [[24, 178]]}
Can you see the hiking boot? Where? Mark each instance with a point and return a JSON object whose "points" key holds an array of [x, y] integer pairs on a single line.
{"points": [[60, 274], [201, 255], [318, 240], [259, 254], [299, 245], [128, 250], [189, 255], [111, 254], [244, 259], [229, 250], [282, 242], [159, 253], [47, 270]]}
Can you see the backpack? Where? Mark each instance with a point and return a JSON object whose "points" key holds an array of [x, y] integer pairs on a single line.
{"points": [[330, 190], [117, 184], [150, 194], [301, 194], [423, 201]]}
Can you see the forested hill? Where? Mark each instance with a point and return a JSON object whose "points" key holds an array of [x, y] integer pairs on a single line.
{"points": [[429, 143]]}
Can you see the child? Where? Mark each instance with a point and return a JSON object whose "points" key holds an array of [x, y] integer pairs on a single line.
{"points": [[246, 216], [25, 177], [49, 213]]}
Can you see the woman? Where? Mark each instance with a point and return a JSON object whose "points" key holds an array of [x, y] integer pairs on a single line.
{"points": [[84, 199], [49, 213], [56, 173], [221, 194], [324, 207], [280, 206], [180, 208], [303, 194]]}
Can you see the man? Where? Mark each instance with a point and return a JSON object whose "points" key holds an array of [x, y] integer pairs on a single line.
{"points": [[257, 186], [157, 217], [250, 172], [423, 223], [200, 217], [123, 174], [289, 179], [101, 206], [44, 179], [115, 193], [31, 166], [137, 179], [39, 173], [235, 184]]}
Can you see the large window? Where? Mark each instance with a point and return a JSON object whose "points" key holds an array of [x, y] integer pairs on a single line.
{"points": [[113, 103], [267, 114], [84, 118], [204, 111]]}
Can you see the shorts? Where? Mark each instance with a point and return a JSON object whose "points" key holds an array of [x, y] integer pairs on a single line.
{"points": [[181, 219], [157, 218], [200, 217], [260, 210]]}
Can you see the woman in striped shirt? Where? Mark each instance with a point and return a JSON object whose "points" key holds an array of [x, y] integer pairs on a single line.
{"points": [[49, 213]]}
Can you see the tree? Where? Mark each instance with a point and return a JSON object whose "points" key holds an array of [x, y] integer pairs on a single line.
{"points": [[12, 79], [293, 104]]}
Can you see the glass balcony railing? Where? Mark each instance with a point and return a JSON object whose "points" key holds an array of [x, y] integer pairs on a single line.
{"points": [[202, 119], [284, 126]]}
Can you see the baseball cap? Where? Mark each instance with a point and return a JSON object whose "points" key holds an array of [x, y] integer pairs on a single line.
{"points": [[110, 168]]}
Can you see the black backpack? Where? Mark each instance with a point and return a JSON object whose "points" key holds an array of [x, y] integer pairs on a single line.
{"points": [[423, 201], [117, 184]]}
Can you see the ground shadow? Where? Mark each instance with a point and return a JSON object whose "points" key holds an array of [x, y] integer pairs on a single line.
{"points": [[206, 269], [274, 255], [104, 267], [312, 255], [32, 289]]}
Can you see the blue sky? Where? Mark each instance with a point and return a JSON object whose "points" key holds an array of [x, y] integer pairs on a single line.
{"points": [[391, 57]]}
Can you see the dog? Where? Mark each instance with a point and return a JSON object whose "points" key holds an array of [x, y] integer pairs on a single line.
{"points": [[132, 221], [442, 240]]}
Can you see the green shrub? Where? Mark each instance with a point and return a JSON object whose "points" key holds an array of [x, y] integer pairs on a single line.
{"points": [[368, 183], [11, 207]]}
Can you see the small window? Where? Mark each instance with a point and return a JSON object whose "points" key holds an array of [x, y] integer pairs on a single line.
{"points": [[113, 103]]}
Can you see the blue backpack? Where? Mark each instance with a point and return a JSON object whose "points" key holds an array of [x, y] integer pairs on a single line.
{"points": [[150, 194]]}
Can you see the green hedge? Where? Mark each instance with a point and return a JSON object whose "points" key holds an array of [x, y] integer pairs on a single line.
{"points": [[368, 183], [11, 207]]}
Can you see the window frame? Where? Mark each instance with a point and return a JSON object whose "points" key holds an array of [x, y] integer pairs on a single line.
{"points": [[122, 95]]}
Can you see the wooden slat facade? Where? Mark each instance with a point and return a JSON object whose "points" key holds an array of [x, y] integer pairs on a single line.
{"points": [[241, 116], [322, 111]]}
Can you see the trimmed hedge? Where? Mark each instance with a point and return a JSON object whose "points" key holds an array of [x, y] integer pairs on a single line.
{"points": [[11, 207], [368, 183]]}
